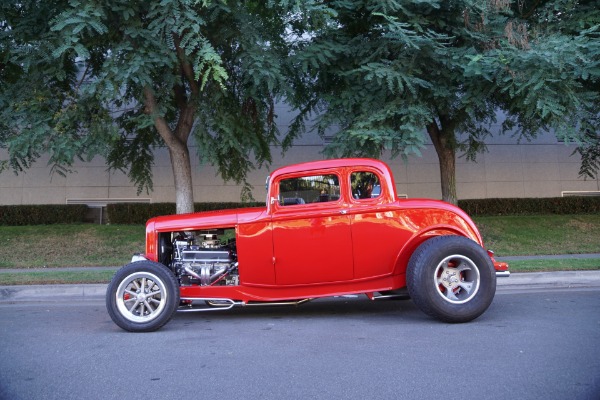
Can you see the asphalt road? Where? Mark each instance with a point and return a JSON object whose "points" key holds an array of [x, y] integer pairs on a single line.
{"points": [[530, 344]]}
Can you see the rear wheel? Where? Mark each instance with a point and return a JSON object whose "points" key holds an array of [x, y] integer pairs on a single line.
{"points": [[142, 296], [451, 278]]}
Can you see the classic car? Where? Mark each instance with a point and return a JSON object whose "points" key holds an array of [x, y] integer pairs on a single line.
{"points": [[323, 232]]}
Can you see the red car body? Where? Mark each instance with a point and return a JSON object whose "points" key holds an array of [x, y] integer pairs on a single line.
{"points": [[303, 250]]}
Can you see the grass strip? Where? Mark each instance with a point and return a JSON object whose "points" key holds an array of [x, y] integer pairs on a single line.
{"points": [[104, 276], [554, 265], [55, 277], [69, 245], [541, 234]]}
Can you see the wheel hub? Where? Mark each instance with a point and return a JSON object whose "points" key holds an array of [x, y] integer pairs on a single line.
{"points": [[450, 280], [457, 279], [141, 297]]}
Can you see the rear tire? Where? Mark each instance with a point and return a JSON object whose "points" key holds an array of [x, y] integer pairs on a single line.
{"points": [[142, 296], [451, 278]]}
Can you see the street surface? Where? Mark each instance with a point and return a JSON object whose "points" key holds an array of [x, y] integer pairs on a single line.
{"points": [[536, 344]]}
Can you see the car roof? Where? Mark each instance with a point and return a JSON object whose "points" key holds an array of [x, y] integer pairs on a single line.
{"points": [[332, 163]]}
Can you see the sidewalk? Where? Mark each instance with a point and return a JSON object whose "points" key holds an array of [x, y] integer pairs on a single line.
{"points": [[96, 292]]}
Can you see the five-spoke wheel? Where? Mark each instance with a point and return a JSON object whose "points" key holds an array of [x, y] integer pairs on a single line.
{"points": [[451, 278], [457, 278]]}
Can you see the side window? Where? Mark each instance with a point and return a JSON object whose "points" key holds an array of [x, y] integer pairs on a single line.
{"points": [[365, 185], [309, 189]]}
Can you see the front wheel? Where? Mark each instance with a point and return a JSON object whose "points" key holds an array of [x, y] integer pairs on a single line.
{"points": [[451, 278], [142, 296]]}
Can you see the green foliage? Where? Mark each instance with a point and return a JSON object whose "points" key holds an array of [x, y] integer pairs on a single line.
{"points": [[366, 66], [42, 214], [119, 78], [589, 151], [384, 73]]}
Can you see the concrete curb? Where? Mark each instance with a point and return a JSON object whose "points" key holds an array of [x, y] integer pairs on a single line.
{"points": [[96, 292], [51, 292], [558, 279]]}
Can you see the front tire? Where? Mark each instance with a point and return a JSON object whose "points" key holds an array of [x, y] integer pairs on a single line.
{"points": [[142, 296], [451, 278]]}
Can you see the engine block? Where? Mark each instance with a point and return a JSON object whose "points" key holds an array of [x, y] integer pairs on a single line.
{"points": [[210, 263]]}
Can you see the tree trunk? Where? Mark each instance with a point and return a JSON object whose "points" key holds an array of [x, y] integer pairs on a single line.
{"points": [[444, 143], [176, 142], [182, 173]]}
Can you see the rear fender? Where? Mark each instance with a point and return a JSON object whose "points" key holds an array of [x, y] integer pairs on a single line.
{"points": [[411, 245]]}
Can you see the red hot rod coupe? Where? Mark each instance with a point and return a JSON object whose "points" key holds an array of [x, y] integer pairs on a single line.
{"points": [[329, 228]]}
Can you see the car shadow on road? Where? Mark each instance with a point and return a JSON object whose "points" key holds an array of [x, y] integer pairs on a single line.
{"points": [[346, 307]]}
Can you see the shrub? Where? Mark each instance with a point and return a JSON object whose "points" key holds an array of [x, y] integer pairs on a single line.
{"points": [[139, 213], [531, 206], [42, 214]]}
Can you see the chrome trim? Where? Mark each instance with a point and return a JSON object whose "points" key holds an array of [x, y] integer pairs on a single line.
{"points": [[392, 294], [138, 257], [502, 274], [190, 307], [278, 303]]}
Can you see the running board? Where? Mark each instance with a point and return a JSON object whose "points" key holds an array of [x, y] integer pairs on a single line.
{"points": [[219, 304]]}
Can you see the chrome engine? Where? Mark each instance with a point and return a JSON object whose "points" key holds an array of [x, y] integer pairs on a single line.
{"points": [[203, 259]]}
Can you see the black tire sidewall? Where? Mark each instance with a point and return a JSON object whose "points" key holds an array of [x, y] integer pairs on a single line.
{"points": [[421, 268], [170, 286]]}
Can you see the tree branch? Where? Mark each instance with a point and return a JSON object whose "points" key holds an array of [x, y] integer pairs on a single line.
{"points": [[151, 108], [186, 66], [531, 10], [436, 136], [87, 68]]}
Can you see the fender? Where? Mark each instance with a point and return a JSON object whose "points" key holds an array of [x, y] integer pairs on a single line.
{"points": [[418, 238]]}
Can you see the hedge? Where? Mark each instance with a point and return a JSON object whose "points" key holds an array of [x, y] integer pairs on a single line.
{"points": [[42, 214], [531, 206], [139, 213]]}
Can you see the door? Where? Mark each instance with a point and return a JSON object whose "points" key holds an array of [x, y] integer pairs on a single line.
{"points": [[312, 242]]}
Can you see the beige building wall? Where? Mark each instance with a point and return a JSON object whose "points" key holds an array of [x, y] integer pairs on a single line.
{"points": [[507, 170]]}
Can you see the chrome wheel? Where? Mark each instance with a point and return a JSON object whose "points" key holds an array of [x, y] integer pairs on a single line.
{"points": [[457, 279], [141, 297]]}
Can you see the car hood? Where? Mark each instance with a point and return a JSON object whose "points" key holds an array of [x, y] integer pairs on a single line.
{"points": [[205, 220]]}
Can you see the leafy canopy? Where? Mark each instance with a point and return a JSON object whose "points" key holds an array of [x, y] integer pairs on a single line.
{"points": [[80, 78], [386, 70], [84, 78]]}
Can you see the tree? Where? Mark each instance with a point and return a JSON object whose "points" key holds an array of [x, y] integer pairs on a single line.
{"points": [[120, 77], [582, 15], [386, 72]]}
